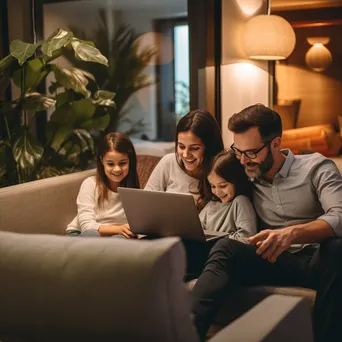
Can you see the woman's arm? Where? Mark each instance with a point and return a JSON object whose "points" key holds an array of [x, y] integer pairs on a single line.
{"points": [[158, 178]]}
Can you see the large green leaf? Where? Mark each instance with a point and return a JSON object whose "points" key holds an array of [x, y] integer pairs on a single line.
{"points": [[27, 152], [47, 172], [73, 78], [34, 72], [6, 62], [100, 123], [61, 134], [82, 110], [37, 102], [22, 51], [88, 53], [62, 115], [104, 98], [85, 140], [57, 40]]}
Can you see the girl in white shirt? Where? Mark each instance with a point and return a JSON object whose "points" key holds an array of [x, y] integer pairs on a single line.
{"points": [[228, 190], [198, 139], [99, 208]]}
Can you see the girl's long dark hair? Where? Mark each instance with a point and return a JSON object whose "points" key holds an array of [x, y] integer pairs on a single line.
{"points": [[203, 125], [227, 166], [121, 143]]}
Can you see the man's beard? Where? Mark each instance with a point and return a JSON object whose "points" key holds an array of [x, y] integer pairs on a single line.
{"points": [[263, 167]]}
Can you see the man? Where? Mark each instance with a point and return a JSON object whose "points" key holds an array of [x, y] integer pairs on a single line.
{"points": [[299, 201]]}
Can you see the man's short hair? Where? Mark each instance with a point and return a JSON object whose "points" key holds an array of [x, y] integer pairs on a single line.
{"points": [[267, 120]]}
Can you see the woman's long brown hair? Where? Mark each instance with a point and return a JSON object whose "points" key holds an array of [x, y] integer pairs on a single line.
{"points": [[204, 126]]}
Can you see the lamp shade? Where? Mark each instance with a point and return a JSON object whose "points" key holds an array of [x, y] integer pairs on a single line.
{"points": [[318, 58], [268, 37]]}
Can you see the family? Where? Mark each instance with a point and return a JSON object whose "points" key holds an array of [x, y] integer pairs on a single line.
{"points": [[282, 212]]}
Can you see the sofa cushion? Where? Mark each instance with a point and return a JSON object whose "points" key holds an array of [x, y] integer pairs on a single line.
{"points": [[145, 166], [42, 206], [233, 306], [59, 288]]}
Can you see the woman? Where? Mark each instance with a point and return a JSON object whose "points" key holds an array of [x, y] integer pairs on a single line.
{"points": [[198, 139]]}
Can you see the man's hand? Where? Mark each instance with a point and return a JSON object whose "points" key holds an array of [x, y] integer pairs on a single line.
{"points": [[271, 243]]}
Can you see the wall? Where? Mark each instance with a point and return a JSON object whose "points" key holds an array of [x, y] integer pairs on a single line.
{"points": [[243, 82], [320, 93], [140, 16]]}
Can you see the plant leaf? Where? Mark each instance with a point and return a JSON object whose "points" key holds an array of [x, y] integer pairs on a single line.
{"points": [[22, 51], [57, 40], [82, 110], [86, 142], [73, 78], [104, 95], [34, 72], [100, 123], [6, 62], [37, 102], [48, 172], [27, 152], [61, 134], [88, 53]]}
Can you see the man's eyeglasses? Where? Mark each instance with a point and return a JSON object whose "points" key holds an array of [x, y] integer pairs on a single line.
{"points": [[250, 154]]}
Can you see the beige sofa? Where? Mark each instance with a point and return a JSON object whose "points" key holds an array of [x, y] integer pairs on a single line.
{"points": [[64, 289], [47, 206]]}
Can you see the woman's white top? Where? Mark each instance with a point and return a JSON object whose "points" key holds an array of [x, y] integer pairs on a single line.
{"points": [[168, 176]]}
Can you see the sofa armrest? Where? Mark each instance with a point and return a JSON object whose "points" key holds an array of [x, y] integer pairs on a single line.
{"points": [[276, 319]]}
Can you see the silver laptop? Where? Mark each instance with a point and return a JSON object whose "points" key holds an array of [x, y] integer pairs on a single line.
{"points": [[158, 213]]}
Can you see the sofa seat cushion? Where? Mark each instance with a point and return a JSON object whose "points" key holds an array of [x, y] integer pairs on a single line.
{"points": [[233, 306]]}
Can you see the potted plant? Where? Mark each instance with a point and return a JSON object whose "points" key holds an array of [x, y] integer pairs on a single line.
{"points": [[80, 109]]}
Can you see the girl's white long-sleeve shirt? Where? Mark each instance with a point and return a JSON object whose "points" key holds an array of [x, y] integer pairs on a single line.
{"points": [[90, 215]]}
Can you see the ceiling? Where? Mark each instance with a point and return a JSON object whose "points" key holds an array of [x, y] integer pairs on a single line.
{"points": [[301, 4]]}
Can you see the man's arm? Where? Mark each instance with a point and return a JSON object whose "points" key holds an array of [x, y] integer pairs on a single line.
{"points": [[272, 242], [327, 183]]}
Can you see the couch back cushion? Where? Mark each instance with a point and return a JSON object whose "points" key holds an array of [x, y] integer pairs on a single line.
{"points": [[45, 206], [48, 205], [60, 288]]}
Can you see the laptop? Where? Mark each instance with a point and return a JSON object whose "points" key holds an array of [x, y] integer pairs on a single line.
{"points": [[162, 214]]}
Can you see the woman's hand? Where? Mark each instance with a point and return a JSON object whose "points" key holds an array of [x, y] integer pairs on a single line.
{"points": [[123, 230]]}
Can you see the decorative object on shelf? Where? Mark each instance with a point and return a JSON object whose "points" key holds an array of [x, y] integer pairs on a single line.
{"points": [[319, 138], [268, 37], [318, 58]]}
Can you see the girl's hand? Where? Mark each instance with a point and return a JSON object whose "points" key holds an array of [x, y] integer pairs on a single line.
{"points": [[125, 231]]}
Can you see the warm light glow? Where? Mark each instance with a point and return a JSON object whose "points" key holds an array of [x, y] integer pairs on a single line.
{"points": [[318, 58], [159, 44], [268, 37], [249, 7]]}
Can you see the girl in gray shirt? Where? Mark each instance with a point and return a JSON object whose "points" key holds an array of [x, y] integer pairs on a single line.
{"points": [[229, 209]]}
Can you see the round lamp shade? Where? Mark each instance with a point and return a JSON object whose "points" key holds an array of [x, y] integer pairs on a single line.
{"points": [[268, 37], [318, 58]]}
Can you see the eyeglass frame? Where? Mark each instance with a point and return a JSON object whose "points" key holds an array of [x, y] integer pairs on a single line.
{"points": [[255, 153]]}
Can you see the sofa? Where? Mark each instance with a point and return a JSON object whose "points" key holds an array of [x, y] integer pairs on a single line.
{"points": [[47, 206], [64, 289]]}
